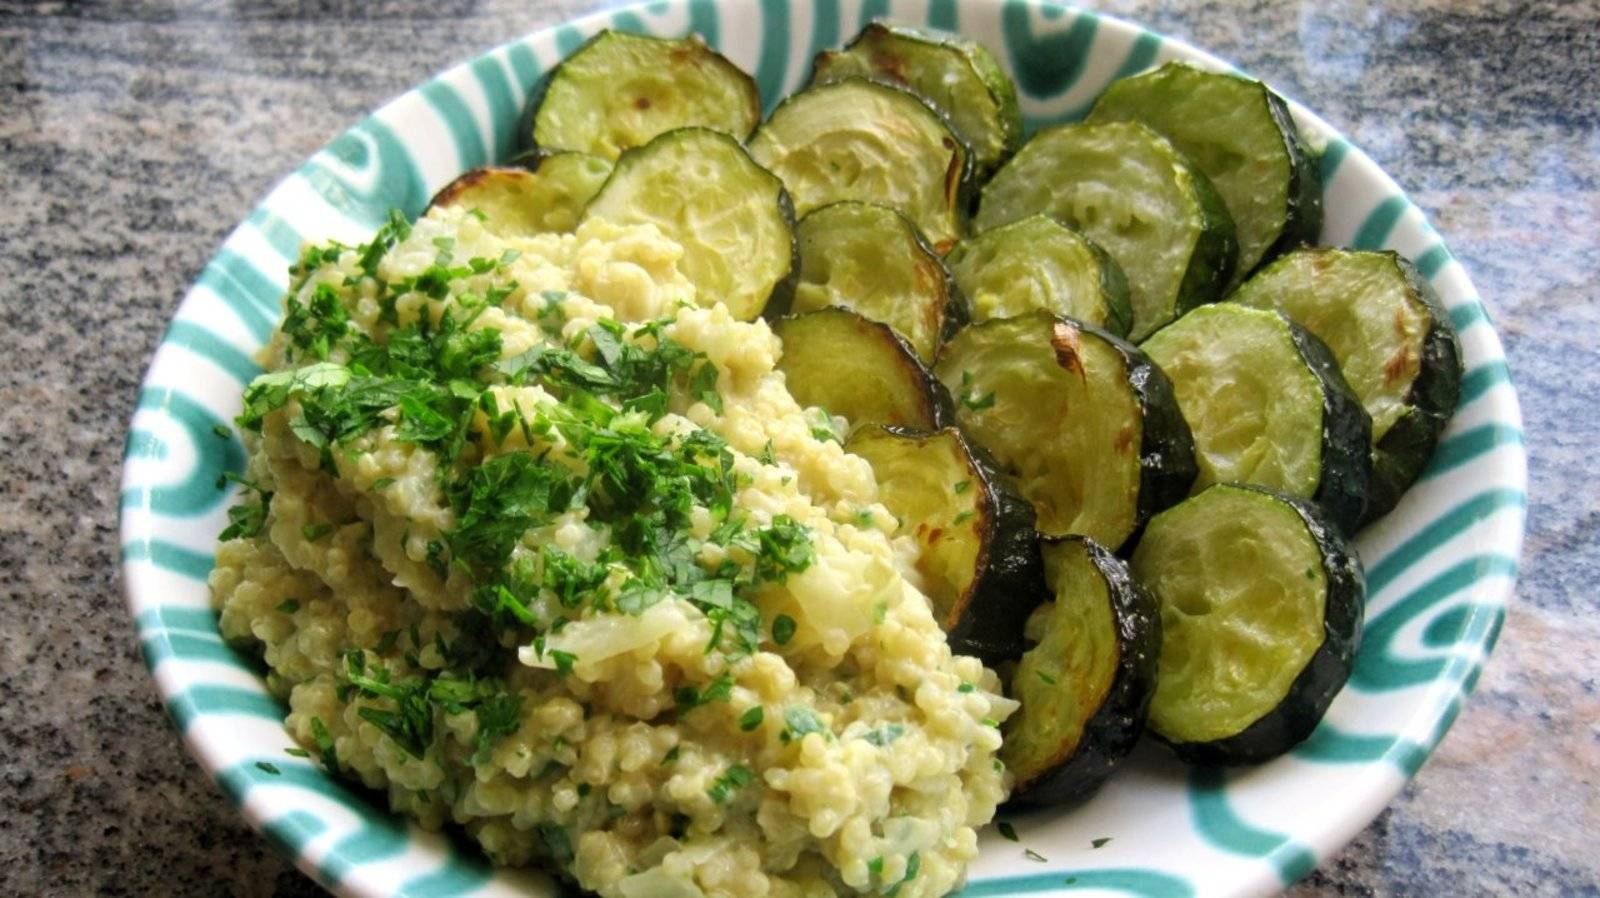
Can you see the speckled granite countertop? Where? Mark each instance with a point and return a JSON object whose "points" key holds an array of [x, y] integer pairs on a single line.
{"points": [[133, 135]]}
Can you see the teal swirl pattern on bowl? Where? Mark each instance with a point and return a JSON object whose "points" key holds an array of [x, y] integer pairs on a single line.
{"points": [[1440, 567]]}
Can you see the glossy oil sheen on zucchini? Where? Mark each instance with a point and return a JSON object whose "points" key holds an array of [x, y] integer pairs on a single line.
{"points": [[1085, 682], [621, 90], [871, 260], [859, 369], [1039, 264], [862, 140], [1240, 134], [1133, 193], [545, 193], [731, 216], [1267, 406], [1261, 604], [1083, 420], [958, 76], [1392, 339], [978, 554]]}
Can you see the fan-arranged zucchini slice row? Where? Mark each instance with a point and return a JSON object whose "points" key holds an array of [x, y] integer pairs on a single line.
{"points": [[978, 553], [1261, 605], [865, 140], [1083, 420], [621, 90], [1040, 264], [859, 369], [1239, 133], [1132, 192], [731, 216], [1267, 406], [871, 260], [1086, 681], [958, 76], [1394, 344], [545, 193]]}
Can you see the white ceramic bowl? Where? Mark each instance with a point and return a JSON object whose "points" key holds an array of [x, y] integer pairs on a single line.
{"points": [[1440, 567]]}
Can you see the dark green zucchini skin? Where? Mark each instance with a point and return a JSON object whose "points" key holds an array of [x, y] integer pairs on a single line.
{"points": [[1009, 582], [1399, 458], [1346, 437], [1167, 466], [1304, 207], [1108, 736], [1324, 675]]}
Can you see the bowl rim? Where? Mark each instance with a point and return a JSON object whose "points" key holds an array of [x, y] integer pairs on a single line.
{"points": [[1291, 859]]}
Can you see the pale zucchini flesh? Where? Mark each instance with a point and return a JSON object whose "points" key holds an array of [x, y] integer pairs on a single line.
{"points": [[958, 76], [1082, 420], [1134, 194], [1239, 133], [621, 90], [1267, 406], [862, 140], [861, 370], [1039, 264], [870, 259], [1261, 607], [1086, 679], [731, 216], [978, 555], [1392, 339], [544, 195]]}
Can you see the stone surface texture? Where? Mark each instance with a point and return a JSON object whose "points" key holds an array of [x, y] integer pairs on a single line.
{"points": [[134, 135]]}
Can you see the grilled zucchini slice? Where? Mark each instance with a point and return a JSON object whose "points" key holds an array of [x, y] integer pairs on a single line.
{"points": [[1241, 135], [863, 140], [1261, 603], [1086, 681], [859, 369], [1038, 263], [1266, 405], [978, 553], [1128, 189], [1394, 344], [1083, 420], [731, 216], [544, 194], [871, 260], [959, 77], [619, 91]]}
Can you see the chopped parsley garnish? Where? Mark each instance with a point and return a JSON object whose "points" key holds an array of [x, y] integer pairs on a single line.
{"points": [[971, 399], [962, 486], [247, 518], [1032, 855], [800, 721], [718, 690], [268, 767], [783, 627], [557, 843], [751, 718], [1045, 678], [1100, 842], [734, 778], [314, 532], [324, 742], [288, 606], [966, 687], [885, 734], [1007, 830], [297, 752]]}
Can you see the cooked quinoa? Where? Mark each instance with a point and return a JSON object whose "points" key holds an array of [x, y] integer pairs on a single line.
{"points": [[536, 542]]}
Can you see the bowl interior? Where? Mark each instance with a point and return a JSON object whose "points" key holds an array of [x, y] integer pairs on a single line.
{"points": [[1440, 567]]}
